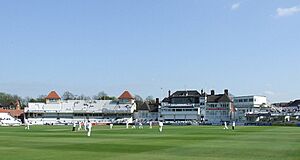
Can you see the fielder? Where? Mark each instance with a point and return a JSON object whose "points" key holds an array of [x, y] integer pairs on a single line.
{"points": [[225, 125], [85, 125], [127, 124], [74, 126], [111, 126], [79, 126], [135, 124], [141, 125], [161, 124], [150, 124], [26, 124], [233, 125], [89, 128]]}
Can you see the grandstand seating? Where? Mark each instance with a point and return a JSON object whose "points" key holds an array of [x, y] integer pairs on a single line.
{"points": [[69, 111]]}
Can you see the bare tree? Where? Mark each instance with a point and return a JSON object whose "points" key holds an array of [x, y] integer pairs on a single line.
{"points": [[138, 98], [68, 96], [100, 95], [83, 97], [150, 99]]}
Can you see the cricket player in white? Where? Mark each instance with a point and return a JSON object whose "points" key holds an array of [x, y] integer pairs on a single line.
{"points": [[89, 128], [150, 124], [140, 125], [79, 126], [111, 126], [225, 125], [74, 126], [161, 124], [127, 124], [135, 124], [85, 125], [26, 124], [233, 125]]}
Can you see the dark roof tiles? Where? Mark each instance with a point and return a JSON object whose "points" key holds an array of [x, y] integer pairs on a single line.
{"points": [[186, 93], [218, 98], [295, 103], [146, 106]]}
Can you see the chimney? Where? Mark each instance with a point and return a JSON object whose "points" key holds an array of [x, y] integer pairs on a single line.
{"points": [[212, 92], [157, 100], [226, 92], [201, 91], [169, 93]]}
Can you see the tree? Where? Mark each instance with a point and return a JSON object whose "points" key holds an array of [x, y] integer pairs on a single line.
{"points": [[138, 98], [40, 98], [83, 97], [108, 98], [68, 96], [87, 98], [150, 99], [101, 95], [8, 100], [4, 97], [24, 101]]}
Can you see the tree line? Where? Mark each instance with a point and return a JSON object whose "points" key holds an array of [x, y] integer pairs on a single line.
{"points": [[9, 100]]}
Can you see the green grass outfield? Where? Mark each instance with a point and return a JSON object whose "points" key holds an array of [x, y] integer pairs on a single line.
{"points": [[188, 142]]}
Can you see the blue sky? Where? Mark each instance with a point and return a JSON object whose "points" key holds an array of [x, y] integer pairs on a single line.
{"points": [[150, 46]]}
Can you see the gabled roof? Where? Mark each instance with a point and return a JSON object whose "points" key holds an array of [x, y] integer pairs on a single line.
{"points": [[218, 98], [153, 107], [186, 93], [126, 95], [296, 103], [166, 100], [6, 104], [282, 104], [53, 95], [148, 107], [143, 107], [12, 112]]}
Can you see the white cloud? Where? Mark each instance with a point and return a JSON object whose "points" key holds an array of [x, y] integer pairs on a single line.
{"points": [[235, 6], [287, 11]]}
